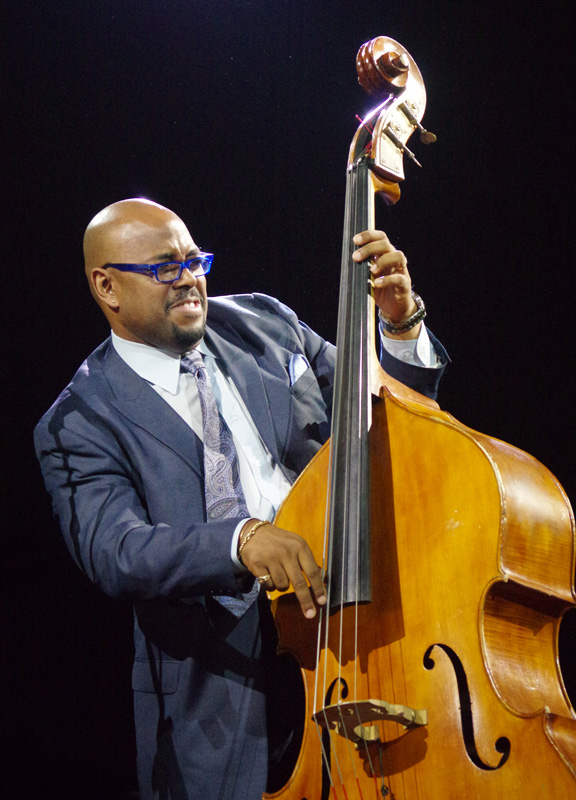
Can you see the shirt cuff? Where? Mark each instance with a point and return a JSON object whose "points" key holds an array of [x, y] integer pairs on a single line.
{"points": [[238, 567], [419, 352]]}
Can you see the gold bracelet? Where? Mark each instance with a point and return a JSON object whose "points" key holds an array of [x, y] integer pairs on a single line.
{"points": [[250, 534]]}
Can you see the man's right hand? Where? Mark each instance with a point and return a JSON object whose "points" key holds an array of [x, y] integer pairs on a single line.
{"points": [[286, 559]]}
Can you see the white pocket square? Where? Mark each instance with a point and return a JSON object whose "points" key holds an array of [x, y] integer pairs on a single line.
{"points": [[297, 367]]}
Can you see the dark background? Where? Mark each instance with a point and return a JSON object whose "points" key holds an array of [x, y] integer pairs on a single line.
{"points": [[238, 116]]}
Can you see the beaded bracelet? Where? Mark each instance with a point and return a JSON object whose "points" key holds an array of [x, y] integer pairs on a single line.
{"points": [[250, 534], [408, 324]]}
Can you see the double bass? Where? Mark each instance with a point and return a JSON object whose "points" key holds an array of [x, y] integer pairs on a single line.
{"points": [[433, 673]]}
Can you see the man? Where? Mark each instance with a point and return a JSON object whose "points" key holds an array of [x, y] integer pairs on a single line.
{"points": [[122, 455]]}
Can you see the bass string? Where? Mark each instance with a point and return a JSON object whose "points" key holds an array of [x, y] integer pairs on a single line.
{"points": [[364, 220], [323, 637], [352, 281]]}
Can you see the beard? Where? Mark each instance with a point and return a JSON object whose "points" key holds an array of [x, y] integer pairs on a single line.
{"points": [[187, 338]]}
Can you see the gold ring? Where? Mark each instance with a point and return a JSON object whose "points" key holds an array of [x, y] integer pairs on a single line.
{"points": [[262, 579]]}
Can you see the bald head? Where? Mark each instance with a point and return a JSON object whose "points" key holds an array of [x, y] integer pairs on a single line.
{"points": [[119, 225]]}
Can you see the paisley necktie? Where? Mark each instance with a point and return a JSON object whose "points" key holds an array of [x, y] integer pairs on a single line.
{"points": [[222, 489]]}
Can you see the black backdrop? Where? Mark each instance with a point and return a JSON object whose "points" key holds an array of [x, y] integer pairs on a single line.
{"points": [[238, 115]]}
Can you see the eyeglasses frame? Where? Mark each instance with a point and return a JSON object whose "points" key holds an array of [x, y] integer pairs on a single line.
{"points": [[146, 269]]}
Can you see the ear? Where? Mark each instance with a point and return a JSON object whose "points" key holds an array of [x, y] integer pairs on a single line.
{"points": [[104, 288]]}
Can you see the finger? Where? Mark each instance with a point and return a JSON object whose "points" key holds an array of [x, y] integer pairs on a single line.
{"points": [[371, 243], [266, 581], [369, 236], [308, 585], [305, 596], [392, 277], [379, 260], [279, 579], [315, 577], [278, 574], [398, 285], [389, 267]]}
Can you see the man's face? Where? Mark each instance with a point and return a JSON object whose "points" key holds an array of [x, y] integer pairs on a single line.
{"points": [[170, 316]]}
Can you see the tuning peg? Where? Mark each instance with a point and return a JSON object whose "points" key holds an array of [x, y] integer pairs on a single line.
{"points": [[392, 64], [426, 137], [396, 141]]}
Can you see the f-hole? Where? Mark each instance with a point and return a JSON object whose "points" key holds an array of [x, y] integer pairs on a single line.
{"points": [[502, 745]]}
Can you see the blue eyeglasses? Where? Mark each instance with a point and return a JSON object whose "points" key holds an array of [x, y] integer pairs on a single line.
{"points": [[170, 271]]}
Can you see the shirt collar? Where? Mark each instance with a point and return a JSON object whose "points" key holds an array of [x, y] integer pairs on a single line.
{"points": [[154, 365]]}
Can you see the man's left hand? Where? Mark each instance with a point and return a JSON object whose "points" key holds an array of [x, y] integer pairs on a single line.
{"points": [[391, 279]]}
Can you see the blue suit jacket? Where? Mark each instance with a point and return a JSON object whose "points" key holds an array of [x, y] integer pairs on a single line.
{"points": [[126, 477]]}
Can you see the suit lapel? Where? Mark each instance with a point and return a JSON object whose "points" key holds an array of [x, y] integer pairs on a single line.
{"points": [[135, 399], [244, 370]]}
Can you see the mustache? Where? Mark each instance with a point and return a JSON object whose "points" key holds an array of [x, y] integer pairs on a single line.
{"points": [[186, 294]]}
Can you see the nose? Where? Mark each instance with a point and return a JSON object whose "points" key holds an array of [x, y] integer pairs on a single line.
{"points": [[187, 278]]}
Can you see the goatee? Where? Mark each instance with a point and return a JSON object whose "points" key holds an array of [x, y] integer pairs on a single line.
{"points": [[187, 339]]}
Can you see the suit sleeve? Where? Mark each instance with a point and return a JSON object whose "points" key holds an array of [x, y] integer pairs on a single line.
{"points": [[425, 380], [133, 538]]}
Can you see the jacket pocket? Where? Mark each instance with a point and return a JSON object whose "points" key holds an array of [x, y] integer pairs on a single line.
{"points": [[303, 383]]}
